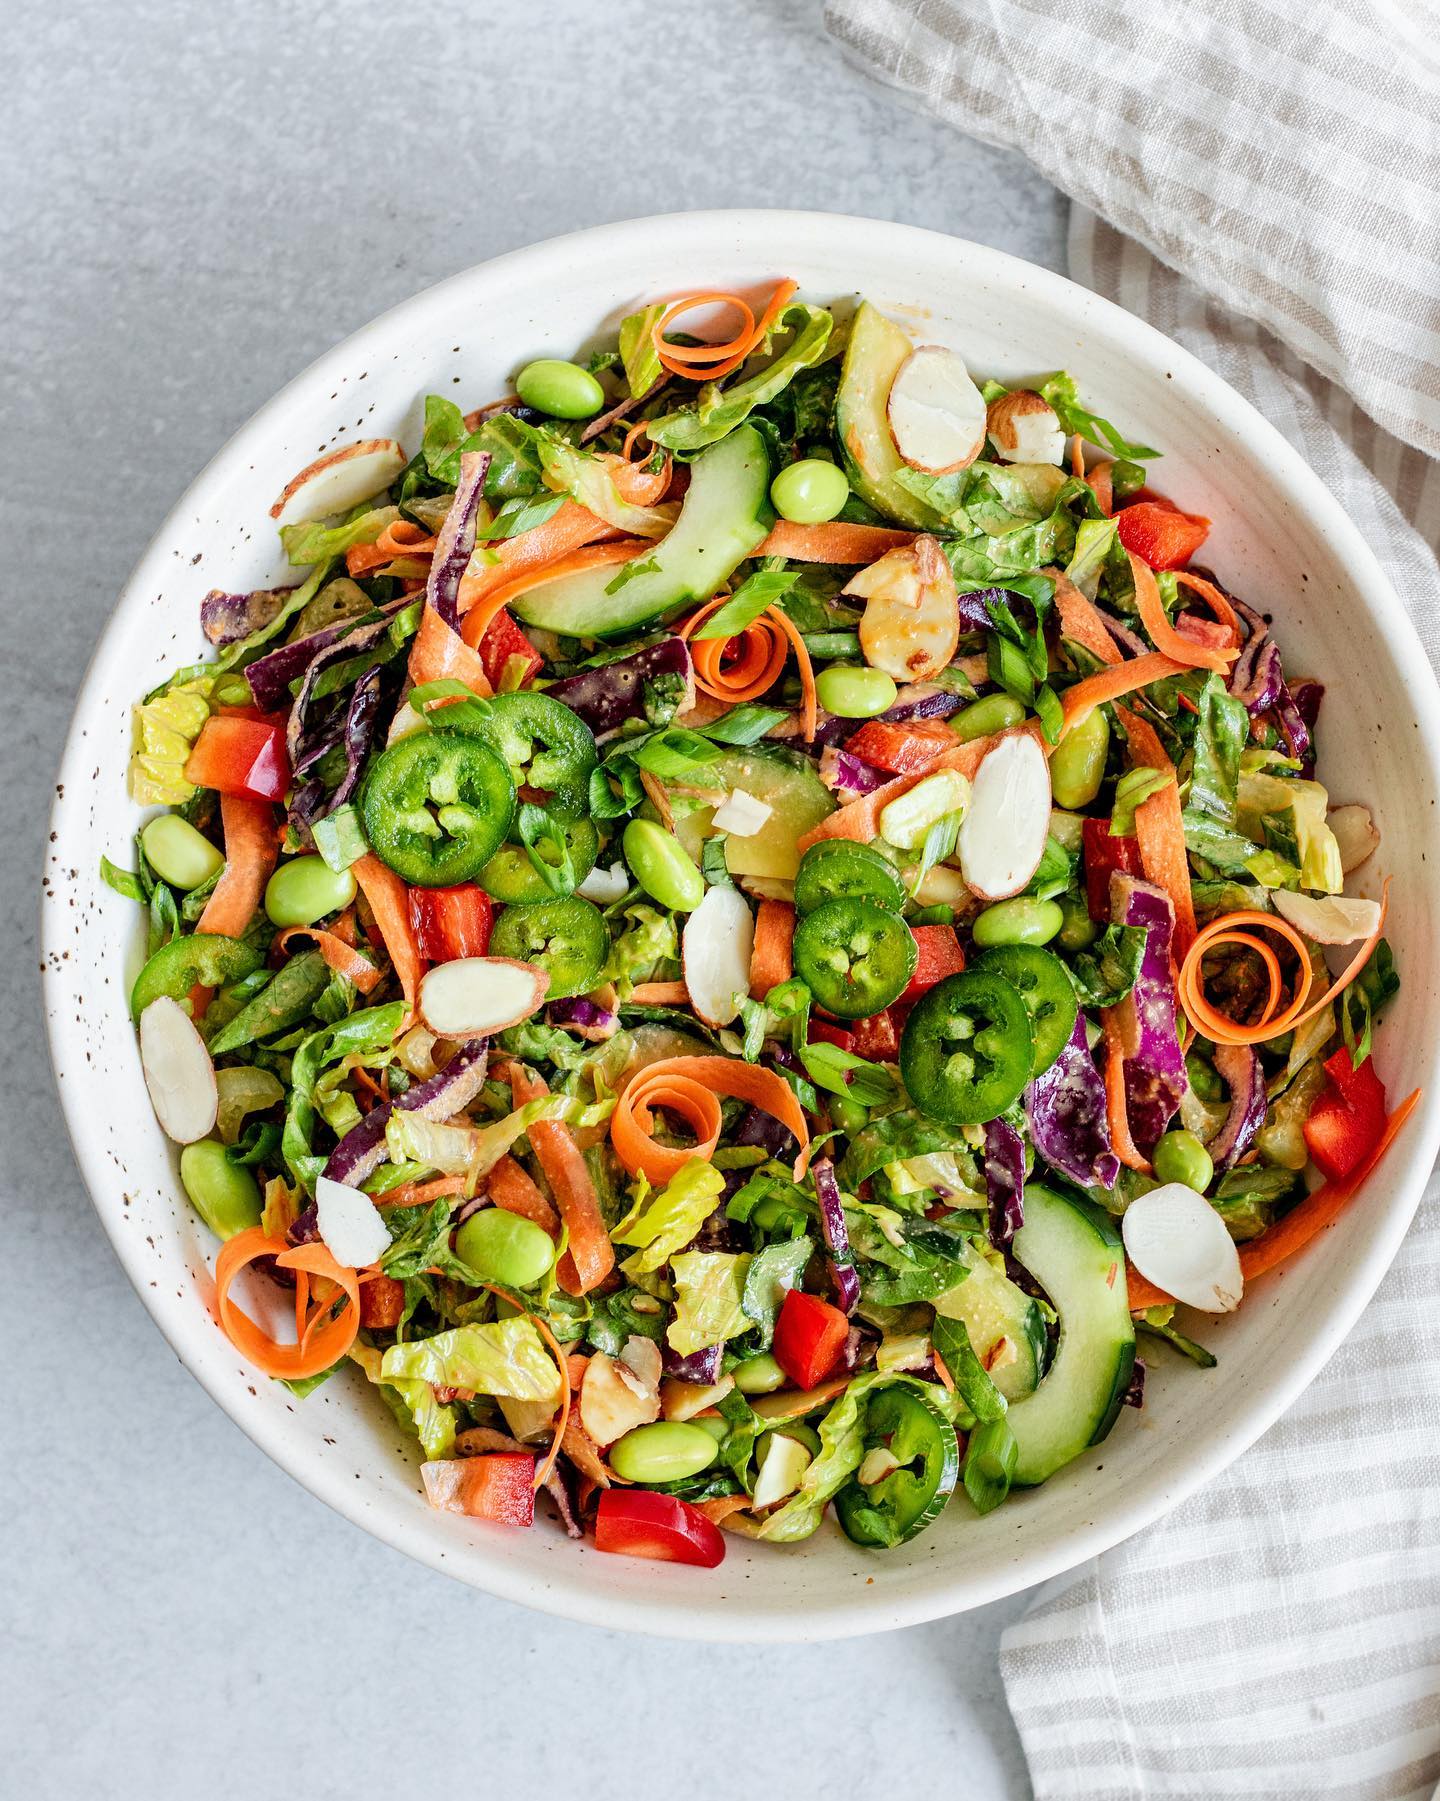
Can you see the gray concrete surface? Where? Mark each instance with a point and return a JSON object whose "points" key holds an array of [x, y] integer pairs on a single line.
{"points": [[197, 200]]}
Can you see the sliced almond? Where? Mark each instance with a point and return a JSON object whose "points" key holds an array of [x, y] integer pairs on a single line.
{"points": [[1355, 833], [715, 948], [340, 480], [936, 413], [911, 623], [610, 1405], [783, 1461], [473, 996], [683, 1400], [1177, 1240], [1002, 837], [178, 1072], [1025, 429], [349, 1223], [1331, 919], [741, 813]]}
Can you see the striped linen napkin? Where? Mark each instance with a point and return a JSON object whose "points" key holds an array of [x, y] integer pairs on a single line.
{"points": [[1262, 182]]}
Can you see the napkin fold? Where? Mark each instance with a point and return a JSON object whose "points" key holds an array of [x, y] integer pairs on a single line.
{"points": [[1261, 182]]}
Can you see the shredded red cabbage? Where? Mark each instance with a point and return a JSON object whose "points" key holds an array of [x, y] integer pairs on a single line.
{"points": [[1004, 1181], [1069, 1122], [837, 1239]]}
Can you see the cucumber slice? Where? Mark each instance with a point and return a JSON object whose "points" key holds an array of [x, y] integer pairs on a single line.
{"points": [[723, 518], [1074, 1252], [873, 357], [798, 800], [993, 1308]]}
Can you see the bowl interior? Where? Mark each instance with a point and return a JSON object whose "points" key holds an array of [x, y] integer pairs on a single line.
{"points": [[1275, 539]]}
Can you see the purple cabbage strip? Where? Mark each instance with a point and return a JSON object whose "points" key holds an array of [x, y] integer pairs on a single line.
{"points": [[843, 773], [1292, 724], [698, 1366], [837, 1238], [759, 1130], [356, 638], [1130, 642], [975, 616], [585, 1017], [921, 701], [271, 676], [1239, 1067], [1306, 697], [361, 718], [606, 697], [227, 618], [1155, 1077], [456, 540], [1069, 1122], [1004, 1181], [362, 1150], [1134, 1395]]}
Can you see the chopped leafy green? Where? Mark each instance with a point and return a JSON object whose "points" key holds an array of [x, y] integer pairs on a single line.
{"points": [[708, 1290], [661, 1224], [717, 410], [504, 1357]]}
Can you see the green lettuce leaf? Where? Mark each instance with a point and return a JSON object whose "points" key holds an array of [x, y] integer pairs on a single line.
{"points": [[1105, 973], [638, 354], [661, 1224], [361, 1034], [716, 410], [708, 1290], [773, 1273], [504, 1357], [312, 541], [586, 479], [1093, 541]]}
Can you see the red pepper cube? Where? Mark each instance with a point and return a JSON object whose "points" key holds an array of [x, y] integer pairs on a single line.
{"points": [[240, 756], [821, 1031], [634, 1522], [451, 923], [810, 1334], [1160, 534], [502, 640], [940, 956], [1104, 854], [1348, 1120], [877, 1039]]}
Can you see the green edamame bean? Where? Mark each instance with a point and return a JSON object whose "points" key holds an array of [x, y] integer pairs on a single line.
{"points": [[854, 692], [982, 718], [178, 853], [1077, 764], [668, 1451], [810, 491], [1023, 920], [760, 1375], [224, 1194], [502, 1247], [1180, 1157], [715, 1424], [849, 1115], [796, 1429], [662, 867], [305, 889], [564, 390], [1079, 930]]}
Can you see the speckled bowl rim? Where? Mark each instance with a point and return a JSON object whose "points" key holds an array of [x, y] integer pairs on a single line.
{"points": [[681, 1613]]}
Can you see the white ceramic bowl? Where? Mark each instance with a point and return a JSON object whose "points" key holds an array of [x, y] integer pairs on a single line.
{"points": [[1277, 538]]}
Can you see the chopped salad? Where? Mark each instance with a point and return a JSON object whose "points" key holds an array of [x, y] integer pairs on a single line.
{"points": [[749, 928]]}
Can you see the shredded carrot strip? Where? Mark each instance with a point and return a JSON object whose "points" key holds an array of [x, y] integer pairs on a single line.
{"points": [[688, 1086], [513, 1189], [640, 429], [942, 1370], [1162, 634], [320, 1340], [836, 542], [1077, 457], [636, 485], [709, 362], [748, 664], [1295, 1230], [719, 1508], [343, 958], [1122, 1142], [1227, 929], [389, 900], [420, 1194], [1079, 702], [567, 528], [1160, 828], [1081, 621], [809, 704], [1214, 599], [660, 994], [401, 538], [250, 853], [1102, 487], [590, 1256], [439, 653], [476, 622], [770, 959]]}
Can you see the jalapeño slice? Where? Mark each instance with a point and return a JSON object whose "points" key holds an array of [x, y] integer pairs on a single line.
{"points": [[548, 748], [854, 957], [908, 1424], [511, 876], [1048, 994], [837, 869], [568, 939], [966, 1051], [436, 807]]}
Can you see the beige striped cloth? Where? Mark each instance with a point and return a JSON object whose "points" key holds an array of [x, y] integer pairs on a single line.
{"points": [[1262, 182]]}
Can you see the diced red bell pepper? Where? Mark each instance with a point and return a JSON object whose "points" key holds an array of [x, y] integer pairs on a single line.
{"points": [[1103, 855], [940, 956], [382, 1303], [901, 749], [498, 1486], [635, 1522], [452, 922], [503, 639], [810, 1334], [240, 756], [822, 1032], [1160, 534], [1348, 1120], [877, 1039]]}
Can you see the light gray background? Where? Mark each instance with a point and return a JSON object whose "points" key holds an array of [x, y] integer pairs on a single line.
{"points": [[197, 200]]}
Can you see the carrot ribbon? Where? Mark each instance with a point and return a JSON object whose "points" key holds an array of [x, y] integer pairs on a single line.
{"points": [[322, 1337], [687, 1087]]}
